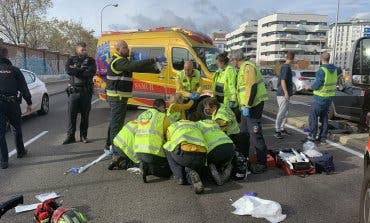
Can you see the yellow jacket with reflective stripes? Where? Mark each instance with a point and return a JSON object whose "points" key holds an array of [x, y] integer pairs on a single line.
{"points": [[125, 140], [330, 84], [184, 131], [224, 84], [149, 137], [248, 75], [225, 114], [186, 85], [213, 135]]}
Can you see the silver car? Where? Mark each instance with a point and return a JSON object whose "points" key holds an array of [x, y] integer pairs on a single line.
{"points": [[301, 79]]}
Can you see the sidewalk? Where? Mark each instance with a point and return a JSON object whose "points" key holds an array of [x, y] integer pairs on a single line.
{"points": [[298, 117]]}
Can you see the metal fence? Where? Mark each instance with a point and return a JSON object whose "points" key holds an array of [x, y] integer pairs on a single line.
{"points": [[41, 62]]}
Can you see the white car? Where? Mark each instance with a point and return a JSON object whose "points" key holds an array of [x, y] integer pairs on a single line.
{"points": [[301, 79], [40, 97]]}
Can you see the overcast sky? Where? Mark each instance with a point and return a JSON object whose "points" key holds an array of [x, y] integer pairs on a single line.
{"points": [[202, 15]]}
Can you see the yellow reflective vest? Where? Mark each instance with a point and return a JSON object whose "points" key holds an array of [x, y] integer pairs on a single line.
{"points": [[243, 78], [125, 140], [213, 135], [224, 84], [227, 115], [330, 84], [149, 135]]}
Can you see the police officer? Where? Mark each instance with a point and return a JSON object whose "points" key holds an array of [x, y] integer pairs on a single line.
{"points": [[120, 85], [13, 87], [81, 69], [251, 96]]}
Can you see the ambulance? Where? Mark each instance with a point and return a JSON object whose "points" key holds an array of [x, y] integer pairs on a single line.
{"points": [[176, 44]]}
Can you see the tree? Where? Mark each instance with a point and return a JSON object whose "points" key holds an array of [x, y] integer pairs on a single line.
{"points": [[16, 17], [62, 36]]}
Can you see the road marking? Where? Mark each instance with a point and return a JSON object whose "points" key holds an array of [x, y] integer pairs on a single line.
{"points": [[299, 103], [13, 152], [96, 100], [341, 147]]}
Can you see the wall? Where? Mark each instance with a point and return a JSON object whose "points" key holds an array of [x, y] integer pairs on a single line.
{"points": [[41, 62]]}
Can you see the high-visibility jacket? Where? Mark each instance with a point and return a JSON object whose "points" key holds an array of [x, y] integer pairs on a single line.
{"points": [[186, 85], [227, 115], [330, 84], [184, 131], [125, 140], [176, 112], [119, 83], [224, 84], [149, 135], [242, 84], [212, 134]]}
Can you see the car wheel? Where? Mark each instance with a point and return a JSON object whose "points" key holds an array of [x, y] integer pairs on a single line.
{"points": [[365, 193], [44, 105], [332, 112]]}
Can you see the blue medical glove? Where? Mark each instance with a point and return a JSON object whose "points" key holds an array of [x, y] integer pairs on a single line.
{"points": [[246, 112], [192, 96], [231, 104], [161, 59], [196, 96]]}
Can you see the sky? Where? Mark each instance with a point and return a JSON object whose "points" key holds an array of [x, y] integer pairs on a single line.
{"points": [[205, 16]]}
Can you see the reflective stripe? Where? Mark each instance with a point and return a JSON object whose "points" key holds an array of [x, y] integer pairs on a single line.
{"points": [[219, 93], [220, 84], [210, 129], [218, 140], [118, 57], [120, 140], [131, 129], [327, 91], [330, 84], [153, 148], [183, 126], [185, 138], [114, 93], [149, 131], [119, 78]]}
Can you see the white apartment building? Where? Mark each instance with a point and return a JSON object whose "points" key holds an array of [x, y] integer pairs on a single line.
{"points": [[348, 33], [219, 41], [282, 32], [245, 38]]}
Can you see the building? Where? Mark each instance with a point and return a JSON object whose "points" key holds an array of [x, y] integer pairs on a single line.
{"points": [[245, 38], [282, 32], [348, 33], [219, 41]]}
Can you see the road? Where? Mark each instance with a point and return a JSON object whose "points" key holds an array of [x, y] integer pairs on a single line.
{"points": [[118, 196]]}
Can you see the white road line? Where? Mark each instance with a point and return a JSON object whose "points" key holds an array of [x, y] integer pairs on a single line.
{"points": [[96, 100], [299, 103], [13, 152], [341, 147]]}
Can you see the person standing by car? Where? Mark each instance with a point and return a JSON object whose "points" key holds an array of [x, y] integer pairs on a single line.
{"points": [[13, 87], [283, 94], [81, 68], [324, 89], [120, 85]]}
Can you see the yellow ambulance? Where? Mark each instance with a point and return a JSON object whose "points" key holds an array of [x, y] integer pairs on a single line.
{"points": [[176, 44]]}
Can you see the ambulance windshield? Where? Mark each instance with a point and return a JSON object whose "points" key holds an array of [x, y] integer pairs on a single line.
{"points": [[208, 56]]}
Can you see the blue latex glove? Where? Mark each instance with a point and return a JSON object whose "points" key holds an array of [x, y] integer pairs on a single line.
{"points": [[161, 59], [196, 96], [231, 104], [192, 96], [246, 112]]}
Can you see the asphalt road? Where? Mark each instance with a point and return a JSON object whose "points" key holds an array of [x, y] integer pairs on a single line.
{"points": [[118, 196]]}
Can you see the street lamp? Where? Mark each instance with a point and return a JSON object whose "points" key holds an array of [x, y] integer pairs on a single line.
{"points": [[101, 16]]}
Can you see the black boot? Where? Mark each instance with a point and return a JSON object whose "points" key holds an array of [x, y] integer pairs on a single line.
{"points": [[4, 165], [22, 154], [69, 140], [84, 139], [144, 171]]}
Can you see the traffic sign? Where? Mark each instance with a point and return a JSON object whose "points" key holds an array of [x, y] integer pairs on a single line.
{"points": [[367, 30]]}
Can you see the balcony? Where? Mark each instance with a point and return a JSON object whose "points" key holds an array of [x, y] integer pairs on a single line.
{"points": [[284, 37], [252, 37], [292, 27], [314, 38], [321, 28], [292, 47]]}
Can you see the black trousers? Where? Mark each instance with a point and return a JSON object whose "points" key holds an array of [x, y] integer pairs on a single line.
{"points": [[12, 113], [182, 162], [252, 126], [158, 166], [79, 103], [118, 111], [221, 155]]}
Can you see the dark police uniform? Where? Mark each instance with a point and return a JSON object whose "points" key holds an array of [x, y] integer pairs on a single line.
{"points": [[81, 71], [13, 87]]}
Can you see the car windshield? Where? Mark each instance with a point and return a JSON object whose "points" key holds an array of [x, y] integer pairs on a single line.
{"points": [[208, 56], [308, 74]]}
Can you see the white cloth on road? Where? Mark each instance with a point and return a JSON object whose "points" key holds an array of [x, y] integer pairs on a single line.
{"points": [[259, 208], [282, 115]]}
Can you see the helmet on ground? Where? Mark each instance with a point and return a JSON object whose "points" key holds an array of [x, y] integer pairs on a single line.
{"points": [[67, 215]]}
